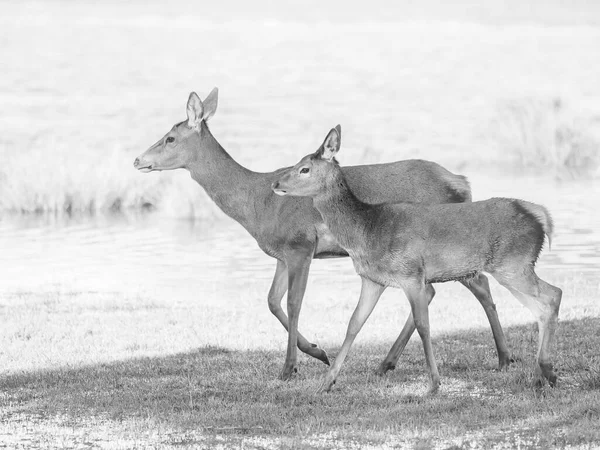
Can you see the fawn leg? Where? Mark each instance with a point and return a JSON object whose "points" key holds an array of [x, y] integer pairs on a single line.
{"points": [[369, 295], [480, 288], [390, 361], [419, 295], [543, 300]]}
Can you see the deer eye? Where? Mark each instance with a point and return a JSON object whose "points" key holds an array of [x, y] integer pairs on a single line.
{"points": [[304, 170], [170, 139]]}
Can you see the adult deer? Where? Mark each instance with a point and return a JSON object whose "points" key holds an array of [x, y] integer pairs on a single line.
{"points": [[291, 229], [410, 246]]}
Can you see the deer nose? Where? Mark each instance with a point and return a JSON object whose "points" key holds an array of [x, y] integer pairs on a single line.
{"points": [[275, 185], [136, 162]]}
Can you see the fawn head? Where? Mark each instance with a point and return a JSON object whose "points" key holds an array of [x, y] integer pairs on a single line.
{"points": [[176, 148], [313, 173]]}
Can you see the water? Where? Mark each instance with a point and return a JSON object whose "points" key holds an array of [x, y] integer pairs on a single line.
{"points": [[152, 254]]}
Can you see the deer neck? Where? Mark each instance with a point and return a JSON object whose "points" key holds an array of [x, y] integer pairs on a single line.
{"points": [[343, 213], [230, 185]]}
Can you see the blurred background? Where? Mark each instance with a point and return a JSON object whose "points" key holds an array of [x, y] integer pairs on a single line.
{"points": [[505, 92], [496, 86]]}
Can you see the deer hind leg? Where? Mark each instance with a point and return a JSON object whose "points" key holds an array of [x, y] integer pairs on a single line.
{"points": [[480, 288], [390, 361], [276, 293], [543, 300], [419, 295], [369, 296]]}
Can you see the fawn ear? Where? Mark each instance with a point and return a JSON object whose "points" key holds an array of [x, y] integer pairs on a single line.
{"points": [[210, 104], [195, 110], [331, 144]]}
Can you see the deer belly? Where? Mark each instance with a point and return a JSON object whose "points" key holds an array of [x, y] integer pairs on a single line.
{"points": [[453, 266], [378, 271]]}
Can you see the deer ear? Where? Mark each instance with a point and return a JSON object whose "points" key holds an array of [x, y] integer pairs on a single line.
{"points": [[210, 104], [195, 110], [331, 144]]}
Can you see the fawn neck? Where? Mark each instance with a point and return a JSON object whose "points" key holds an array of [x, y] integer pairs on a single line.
{"points": [[343, 213], [228, 184]]}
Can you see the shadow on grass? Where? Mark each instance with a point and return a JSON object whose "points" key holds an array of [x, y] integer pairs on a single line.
{"points": [[223, 391]]}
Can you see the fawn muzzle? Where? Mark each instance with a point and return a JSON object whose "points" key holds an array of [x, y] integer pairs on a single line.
{"points": [[276, 187]]}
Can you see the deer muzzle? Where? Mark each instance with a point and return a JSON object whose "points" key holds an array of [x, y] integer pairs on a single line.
{"points": [[142, 166]]}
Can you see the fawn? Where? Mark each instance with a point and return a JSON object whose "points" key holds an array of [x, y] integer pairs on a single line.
{"points": [[410, 246]]}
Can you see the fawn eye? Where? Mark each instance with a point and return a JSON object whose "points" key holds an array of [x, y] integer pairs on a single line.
{"points": [[170, 139], [304, 170]]}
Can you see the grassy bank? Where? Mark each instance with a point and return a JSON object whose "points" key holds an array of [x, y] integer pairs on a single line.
{"points": [[214, 396], [121, 370]]}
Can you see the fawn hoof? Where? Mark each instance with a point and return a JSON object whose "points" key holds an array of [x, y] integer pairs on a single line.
{"points": [[288, 372], [548, 373], [326, 384], [384, 367], [434, 388], [539, 384]]}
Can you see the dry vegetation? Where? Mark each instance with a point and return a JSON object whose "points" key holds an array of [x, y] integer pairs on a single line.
{"points": [[115, 80], [545, 134]]}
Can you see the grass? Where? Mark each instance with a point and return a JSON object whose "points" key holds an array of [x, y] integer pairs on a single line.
{"points": [[217, 396], [136, 371]]}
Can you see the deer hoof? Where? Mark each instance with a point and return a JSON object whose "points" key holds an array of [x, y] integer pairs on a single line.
{"points": [[384, 367], [325, 358], [287, 373], [319, 354], [547, 372], [504, 362]]}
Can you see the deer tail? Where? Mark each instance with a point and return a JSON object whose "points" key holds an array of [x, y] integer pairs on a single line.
{"points": [[457, 186], [542, 216]]}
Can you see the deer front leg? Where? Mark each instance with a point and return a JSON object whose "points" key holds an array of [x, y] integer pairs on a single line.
{"points": [[369, 295], [298, 265], [276, 293]]}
